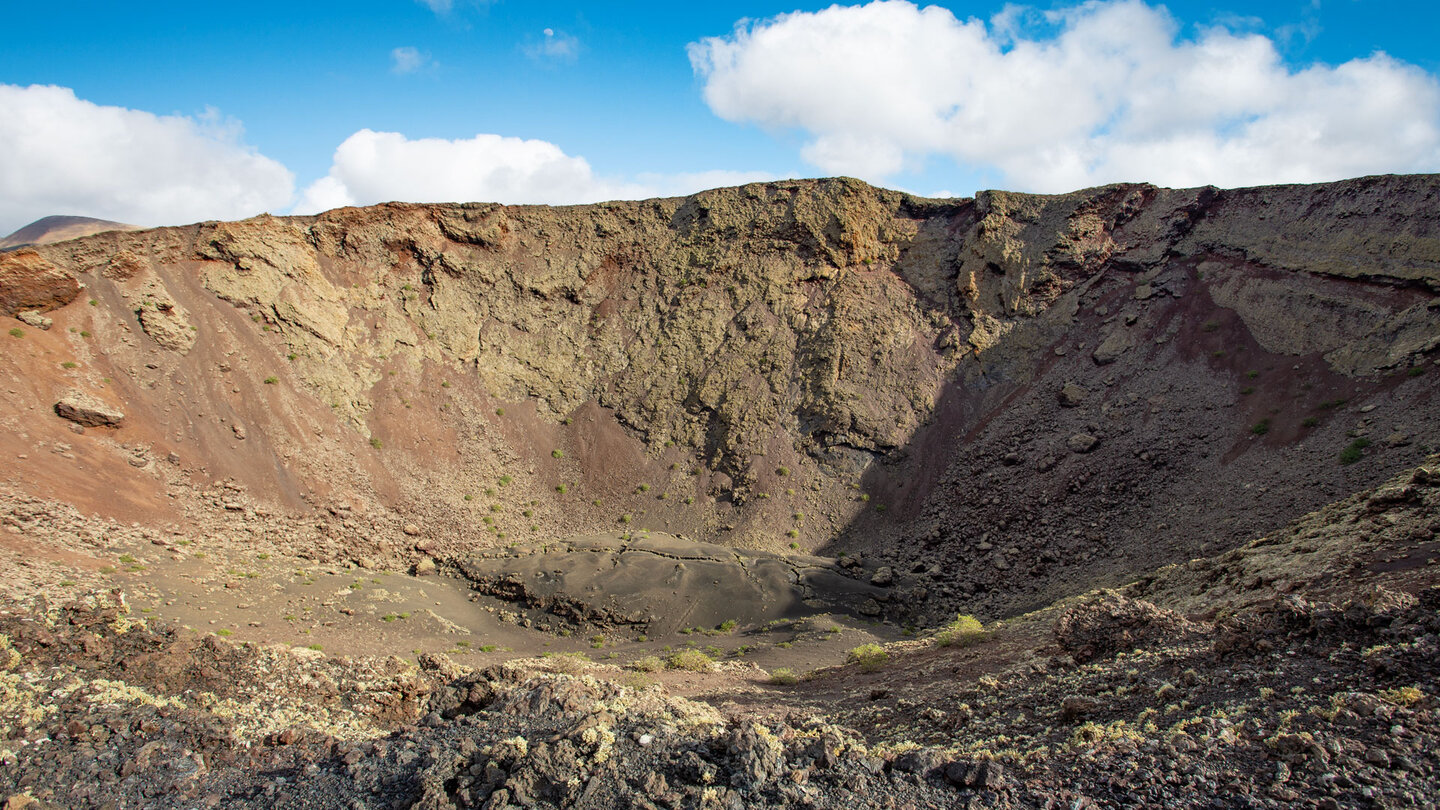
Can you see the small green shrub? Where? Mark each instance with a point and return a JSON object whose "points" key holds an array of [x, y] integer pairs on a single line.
{"points": [[69, 364], [1311, 421], [561, 488], [691, 660], [963, 632], [870, 657], [1354, 451], [650, 663], [376, 443], [643, 488], [17, 332], [557, 453], [1262, 427], [1247, 391], [1402, 696], [728, 625], [784, 676], [505, 480], [782, 471], [271, 380], [793, 533], [1415, 371], [625, 518], [499, 411]]}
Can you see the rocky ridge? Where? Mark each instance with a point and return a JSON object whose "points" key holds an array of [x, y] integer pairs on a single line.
{"points": [[792, 359]]}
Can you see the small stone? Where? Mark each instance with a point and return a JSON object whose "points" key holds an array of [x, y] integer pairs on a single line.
{"points": [[1072, 395], [870, 608], [425, 567], [883, 577], [1082, 443], [239, 431], [1111, 347], [411, 530]]}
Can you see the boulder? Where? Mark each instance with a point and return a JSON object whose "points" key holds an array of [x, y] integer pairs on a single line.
{"points": [[88, 410], [35, 319]]}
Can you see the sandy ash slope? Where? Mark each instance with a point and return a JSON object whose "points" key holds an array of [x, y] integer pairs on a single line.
{"points": [[297, 500]]}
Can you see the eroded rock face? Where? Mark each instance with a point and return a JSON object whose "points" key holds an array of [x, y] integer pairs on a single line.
{"points": [[30, 282], [900, 357]]}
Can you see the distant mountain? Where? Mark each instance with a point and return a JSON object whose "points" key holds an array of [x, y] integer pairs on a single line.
{"points": [[57, 229]]}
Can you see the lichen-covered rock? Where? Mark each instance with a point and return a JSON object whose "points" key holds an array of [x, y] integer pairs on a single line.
{"points": [[1109, 623]]}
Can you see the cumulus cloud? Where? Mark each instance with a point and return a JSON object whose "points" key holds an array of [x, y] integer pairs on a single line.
{"points": [[63, 155], [553, 45], [1112, 92], [373, 167], [409, 60]]}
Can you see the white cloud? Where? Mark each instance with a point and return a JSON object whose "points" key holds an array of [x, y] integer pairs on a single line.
{"points": [[409, 60], [63, 155], [437, 6], [554, 45], [1113, 94], [373, 167]]}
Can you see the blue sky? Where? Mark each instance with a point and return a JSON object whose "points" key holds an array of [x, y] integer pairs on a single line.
{"points": [[233, 109]]}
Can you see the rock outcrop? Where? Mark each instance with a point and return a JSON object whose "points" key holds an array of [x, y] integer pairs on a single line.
{"points": [[28, 282]]}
